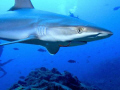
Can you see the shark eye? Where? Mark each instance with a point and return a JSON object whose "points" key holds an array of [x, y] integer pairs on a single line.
{"points": [[80, 30]]}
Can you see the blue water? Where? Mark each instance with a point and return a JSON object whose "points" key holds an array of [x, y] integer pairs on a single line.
{"points": [[97, 63]]}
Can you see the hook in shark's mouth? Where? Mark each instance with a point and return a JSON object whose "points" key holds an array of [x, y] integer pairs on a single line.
{"points": [[71, 43], [66, 45]]}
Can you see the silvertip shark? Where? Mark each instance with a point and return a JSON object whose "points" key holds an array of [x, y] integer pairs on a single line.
{"points": [[24, 24]]}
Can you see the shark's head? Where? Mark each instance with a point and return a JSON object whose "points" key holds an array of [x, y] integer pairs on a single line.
{"points": [[77, 33], [88, 33]]}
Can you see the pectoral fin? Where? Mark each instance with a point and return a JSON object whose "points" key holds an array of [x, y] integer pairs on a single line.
{"points": [[17, 41], [52, 48]]}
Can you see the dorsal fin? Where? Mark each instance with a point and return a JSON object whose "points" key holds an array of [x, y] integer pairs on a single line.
{"points": [[21, 4]]}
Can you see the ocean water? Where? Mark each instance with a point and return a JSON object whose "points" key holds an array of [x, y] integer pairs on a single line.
{"points": [[97, 63]]}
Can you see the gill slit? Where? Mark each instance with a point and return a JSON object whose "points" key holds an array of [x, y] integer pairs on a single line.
{"points": [[41, 31]]}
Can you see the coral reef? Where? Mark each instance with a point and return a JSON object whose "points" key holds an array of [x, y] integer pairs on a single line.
{"points": [[44, 79]]}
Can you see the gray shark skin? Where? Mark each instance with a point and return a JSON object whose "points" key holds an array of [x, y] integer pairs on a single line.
{"points": [[24, 24]]}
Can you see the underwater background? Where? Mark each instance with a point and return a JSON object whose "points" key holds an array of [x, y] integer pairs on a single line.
{"points": [[96, 63]]}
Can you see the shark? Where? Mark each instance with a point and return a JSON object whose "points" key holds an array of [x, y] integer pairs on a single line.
{"points": [[22, 23]]}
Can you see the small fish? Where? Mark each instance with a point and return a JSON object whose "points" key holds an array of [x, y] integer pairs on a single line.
{"points": [[41, 50], [116, 8], [71, 61], [22, 77], [16, 48]]}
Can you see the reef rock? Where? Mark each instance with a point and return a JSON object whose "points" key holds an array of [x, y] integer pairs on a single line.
{"points": [[44, 79]]}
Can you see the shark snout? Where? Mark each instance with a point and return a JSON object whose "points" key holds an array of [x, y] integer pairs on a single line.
{"points": [[99, 32], [96, 33]]}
